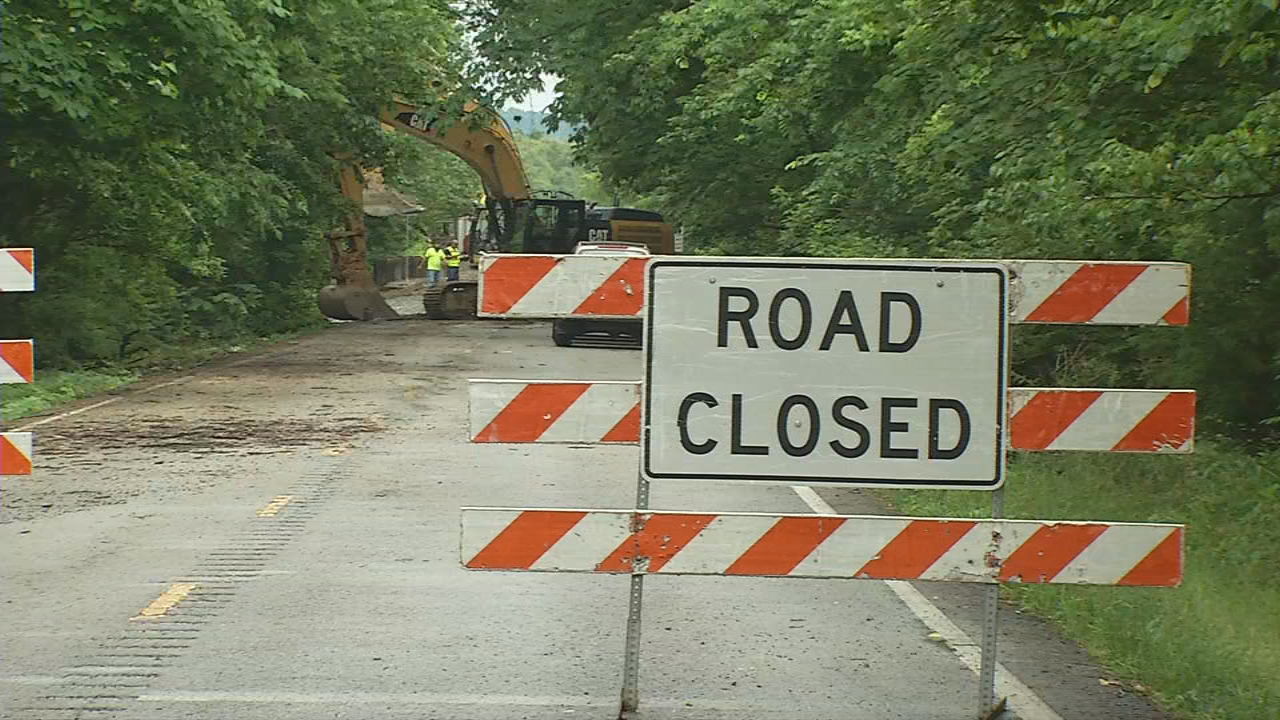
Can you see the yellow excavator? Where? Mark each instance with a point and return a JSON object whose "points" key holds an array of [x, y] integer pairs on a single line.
{"points": [[514, 217]]}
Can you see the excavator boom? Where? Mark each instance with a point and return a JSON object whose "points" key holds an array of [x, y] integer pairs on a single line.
{"points": [[517, 218], [481, 138]]}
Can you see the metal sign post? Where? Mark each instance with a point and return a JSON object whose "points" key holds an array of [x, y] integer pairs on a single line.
{"points": [[990, 630], [631, 652]]}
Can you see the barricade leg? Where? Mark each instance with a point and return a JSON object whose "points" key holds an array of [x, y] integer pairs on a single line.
{"points": [[990, 630], [631, 654]]}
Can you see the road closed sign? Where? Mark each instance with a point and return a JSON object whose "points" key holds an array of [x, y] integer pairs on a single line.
{"points": [[859, 373]]}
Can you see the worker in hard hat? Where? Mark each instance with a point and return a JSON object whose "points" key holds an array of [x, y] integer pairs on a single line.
{"points": [[435, 263], [452, 260]]}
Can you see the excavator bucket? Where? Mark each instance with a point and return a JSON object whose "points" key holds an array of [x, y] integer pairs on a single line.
{"points": [[354, 296], [352, 302]]}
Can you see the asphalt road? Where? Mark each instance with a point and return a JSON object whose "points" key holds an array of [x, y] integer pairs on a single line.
{"points": [[277, 537]]}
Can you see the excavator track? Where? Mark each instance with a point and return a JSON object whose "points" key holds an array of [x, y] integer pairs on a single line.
{"points": [[433, 303], [452, 301]]}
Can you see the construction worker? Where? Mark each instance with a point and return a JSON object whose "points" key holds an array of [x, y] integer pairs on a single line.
{"points": [[453, 260], [435, 263]]}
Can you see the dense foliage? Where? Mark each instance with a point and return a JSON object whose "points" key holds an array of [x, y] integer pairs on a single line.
{"points": [[1081, 129], [550, 164], [534, 122], [171, 160], [441, 184]]}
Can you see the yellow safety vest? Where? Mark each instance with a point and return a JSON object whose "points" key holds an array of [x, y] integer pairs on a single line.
{"points": [[435, 259], [453, 257]]}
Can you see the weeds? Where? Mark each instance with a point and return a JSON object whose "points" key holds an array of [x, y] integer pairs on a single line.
{"points": [[54, 388], [1210, 649]]}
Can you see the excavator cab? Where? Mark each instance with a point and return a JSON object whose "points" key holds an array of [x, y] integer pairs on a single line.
{"points": [[552, 224], [540, 225]]}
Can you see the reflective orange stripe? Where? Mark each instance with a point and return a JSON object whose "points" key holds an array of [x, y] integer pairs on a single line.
{"points": [[621, 294], [13, 461], [531, 412], [509, 279], [917, 547], [19, 355], [661, 537], [1169, 424], [1043, 555], [1162, 567], [628, 428], [1046, 416], [526, 539], [1089, 289], [784, 546]]}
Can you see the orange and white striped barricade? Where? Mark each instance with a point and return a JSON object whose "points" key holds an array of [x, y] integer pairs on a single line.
{"points": [[550, 286], [859, 547], [1040, 291], [1039, 419], [17, 357], [17, 270], [990, 551], [15, 453]]}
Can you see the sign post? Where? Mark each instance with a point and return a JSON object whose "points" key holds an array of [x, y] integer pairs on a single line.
{"points": [[631, 651]]}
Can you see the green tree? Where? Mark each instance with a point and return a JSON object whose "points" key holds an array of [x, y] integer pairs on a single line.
{"points": [[1073, 129], [550, 164], [171, 161]]}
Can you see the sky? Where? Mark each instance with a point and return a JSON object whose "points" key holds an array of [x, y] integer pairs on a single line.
{"points": [[539, 100]]}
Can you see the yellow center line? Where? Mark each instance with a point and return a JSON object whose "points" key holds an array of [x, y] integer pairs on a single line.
{"points": [[277, 504], [176, 593]]}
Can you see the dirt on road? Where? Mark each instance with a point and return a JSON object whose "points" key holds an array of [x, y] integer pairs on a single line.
{"points": [[197, 428]]}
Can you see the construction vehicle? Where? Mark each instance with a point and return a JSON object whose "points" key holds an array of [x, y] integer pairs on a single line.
{"points": [[514, 218], [565, 330]]}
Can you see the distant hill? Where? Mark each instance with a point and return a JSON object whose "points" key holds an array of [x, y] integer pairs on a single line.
{"points": [[530, 122]]}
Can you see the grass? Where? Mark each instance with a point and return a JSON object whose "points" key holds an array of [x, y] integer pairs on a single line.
{"points": [[55, 388], [1208, 650]]}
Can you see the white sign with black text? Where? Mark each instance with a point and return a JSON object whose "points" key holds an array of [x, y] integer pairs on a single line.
{"points": [[861, 372]]}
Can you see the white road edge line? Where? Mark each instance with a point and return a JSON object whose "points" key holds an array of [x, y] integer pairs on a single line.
{"points": [[60, 416], [1022, 699], [108, 401], [149, 388]]}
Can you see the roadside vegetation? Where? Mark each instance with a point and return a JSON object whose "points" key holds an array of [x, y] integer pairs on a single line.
{"points": [[1208, 649], [171, 164], [56, 388], [172, 167], [1074, 129]]}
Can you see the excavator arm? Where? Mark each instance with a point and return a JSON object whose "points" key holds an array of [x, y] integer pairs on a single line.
{"points": [[481, 139]]}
